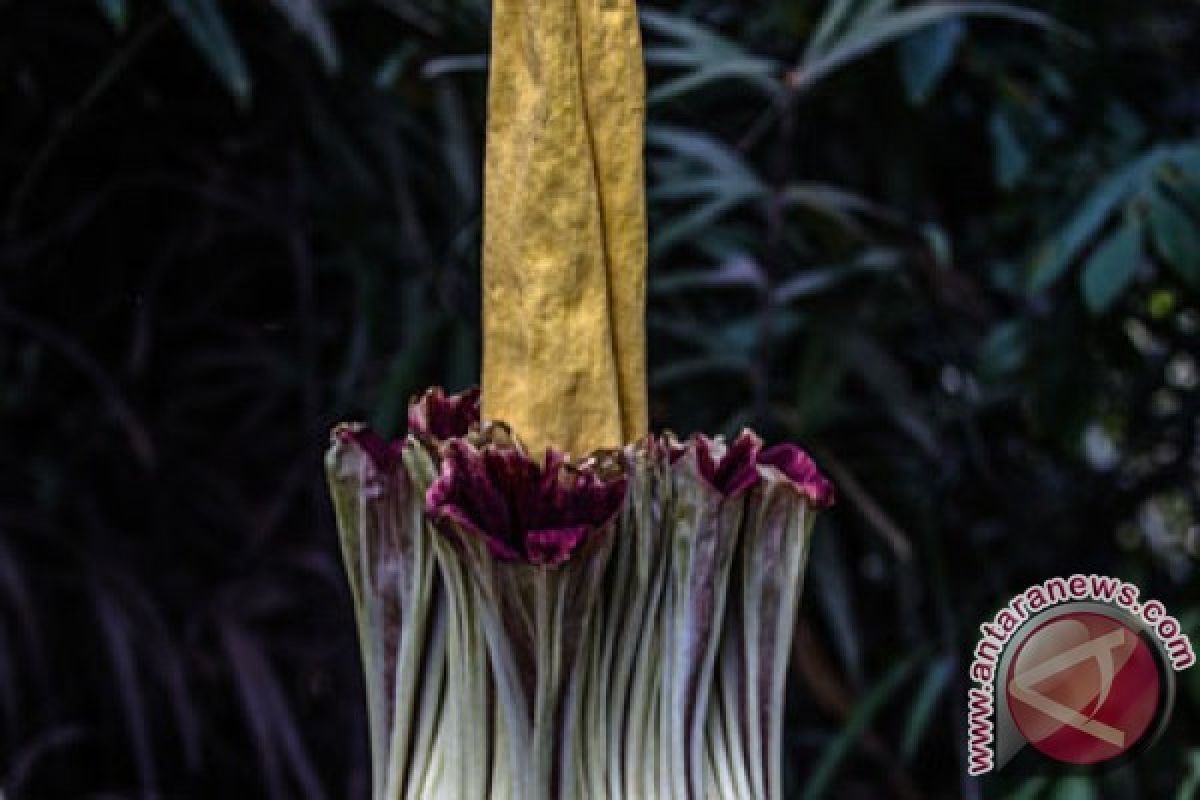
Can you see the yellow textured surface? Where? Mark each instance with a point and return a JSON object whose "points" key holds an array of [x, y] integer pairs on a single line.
{"points": [[564, 254]]}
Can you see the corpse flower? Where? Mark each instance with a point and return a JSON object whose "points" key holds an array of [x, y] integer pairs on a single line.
{"points": [[612, 620]]}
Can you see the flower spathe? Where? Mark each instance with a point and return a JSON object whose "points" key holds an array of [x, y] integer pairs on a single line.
{"points": [[522, 510], [542, 628], [799, 468], [728, 470], [437, 415], [733, 469]]}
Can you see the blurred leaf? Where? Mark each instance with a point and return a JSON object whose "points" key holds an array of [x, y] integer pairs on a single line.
{"points": [[1030, 788], [814, 280], [815, 402], [1010, 159], [1111, 268], [1054, 257], [754, 71], [22, 763], [117, 12], [309, 21], [452, 65], [1004, 350], [1176, 237], [119, 639], [862, 501], [832, 202], [832, 755], [835, 598], [708, 57], [402, 381], [457, 141], [736, 273], [702, 154], [885, 376], [205, 25], [926, 55], [393, 66], [266, 708], [1074, 787], [1189, 787], [837, 18], [1181, 173], [703, 169], [937, 678], [885, 28]]}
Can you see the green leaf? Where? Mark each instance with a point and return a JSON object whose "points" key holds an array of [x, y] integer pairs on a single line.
{"points": [[1074, 787], [754, 71], [1011, 160], [1004, 350], [865, 711], [1189, 788], [891, 27], [1183, 174], [309, 21], [703, 170], [1054, 257], [687, 32], [1176, 237], [817, 279], [709, 57], [1030, 789], [205, 26], [925, 57], [1111, 267], [830, 201], [116, 12], [833, 24], [924, 704], [736, 273]]}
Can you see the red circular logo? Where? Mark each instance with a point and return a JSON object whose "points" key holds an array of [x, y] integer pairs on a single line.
{"points": [[1084, 688]]}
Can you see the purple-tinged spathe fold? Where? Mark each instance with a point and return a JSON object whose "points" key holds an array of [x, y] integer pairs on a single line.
{"points": [[433, 415], [802, 471], [440, 416], [735, 471], [523, 511], [384, 455]]}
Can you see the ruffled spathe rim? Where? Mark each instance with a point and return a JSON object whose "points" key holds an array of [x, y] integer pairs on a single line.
{"points": [[436, 415], [488, 487], [522, 510]]}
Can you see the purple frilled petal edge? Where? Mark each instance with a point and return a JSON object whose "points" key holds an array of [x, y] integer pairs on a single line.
{"points": [[540, 513], [735, 471], [384, 455], [731, 473], [440, 416], [522, 510], [432, 415], [799, 468]]}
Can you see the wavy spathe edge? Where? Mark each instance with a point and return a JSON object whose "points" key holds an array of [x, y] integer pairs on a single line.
{"points": [[502, 602]]}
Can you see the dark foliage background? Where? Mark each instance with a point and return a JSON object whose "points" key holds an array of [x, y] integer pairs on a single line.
{"points": [[954, 249]]}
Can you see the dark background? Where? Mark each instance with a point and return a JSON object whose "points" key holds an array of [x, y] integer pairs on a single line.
{"points": [[958, 261]]}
